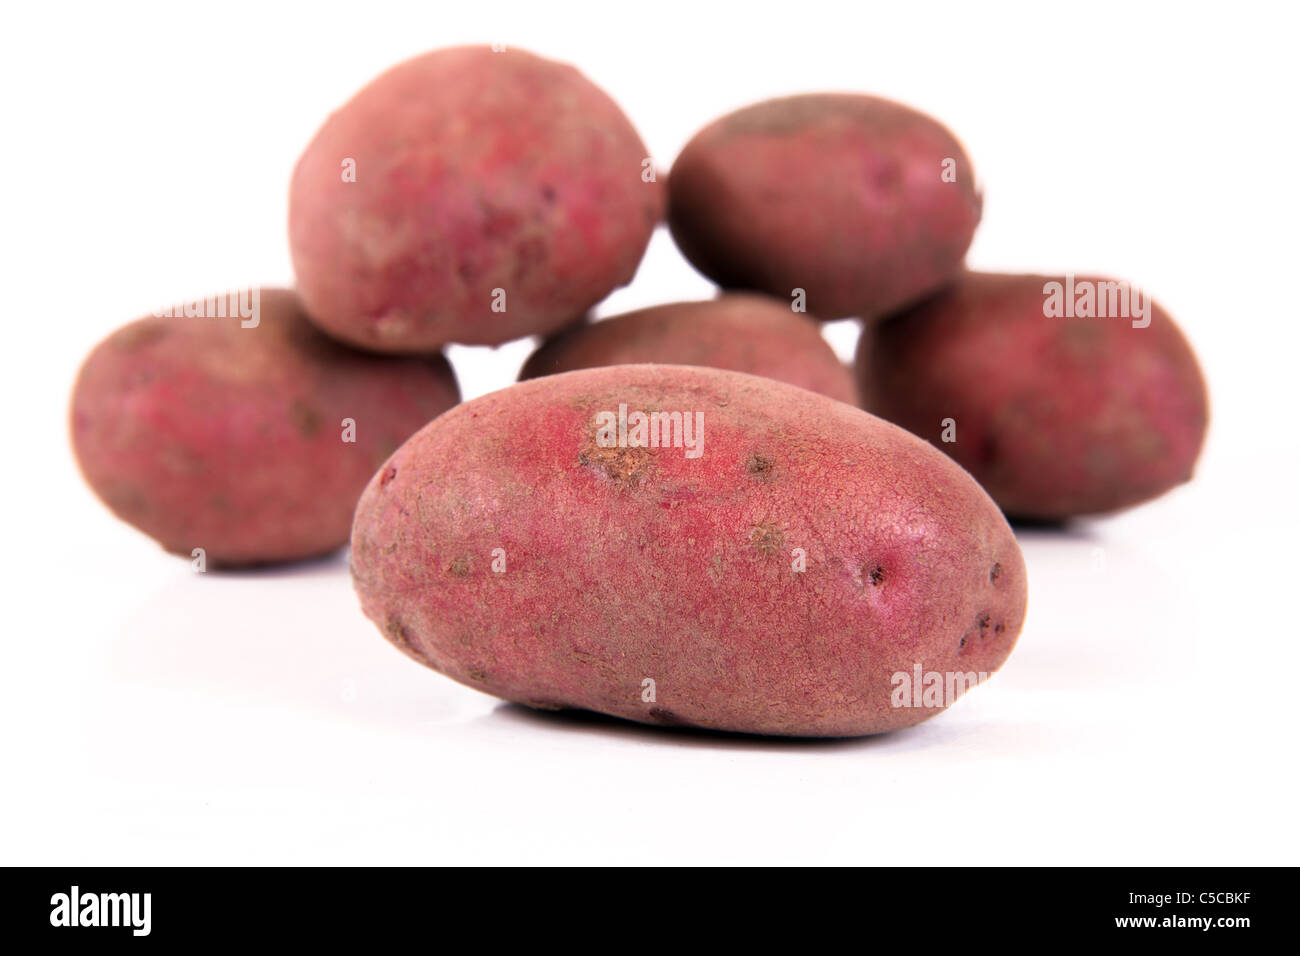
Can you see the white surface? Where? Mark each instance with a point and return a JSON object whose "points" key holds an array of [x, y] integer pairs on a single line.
{"points": [[151, 715]]}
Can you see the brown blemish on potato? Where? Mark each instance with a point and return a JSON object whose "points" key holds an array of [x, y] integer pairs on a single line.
{"points": [[305, 419], [623, 466], [767, 538], [982, 622], [400, 635], [995, 573], [876, 576], [759, 465], [397, 631], [667, 717], [477, 675], [458, 566], [389, 474]]}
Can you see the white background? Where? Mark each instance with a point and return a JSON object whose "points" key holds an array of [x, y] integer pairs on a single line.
{"points": [[152, 715]]}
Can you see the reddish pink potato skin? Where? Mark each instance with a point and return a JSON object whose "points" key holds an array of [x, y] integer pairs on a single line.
{"points": [[1055, 417], [840, 195], [742, 333], [623, 564], [204, 434], [475, 171]]}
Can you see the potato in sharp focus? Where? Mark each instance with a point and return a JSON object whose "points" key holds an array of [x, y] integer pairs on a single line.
{"points": [[468, 196], [772, 562], [1055, 412], [755, 334], [205, 432], [865, 204]]}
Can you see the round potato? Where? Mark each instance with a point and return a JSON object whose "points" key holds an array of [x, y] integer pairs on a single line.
{"points": [[742, 333], [864, 204], [468, 196], [1055, 409], [248, 437], [689, 547]]}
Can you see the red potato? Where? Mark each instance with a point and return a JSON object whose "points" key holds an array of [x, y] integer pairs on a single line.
{"points": [[788, 567], [204, 433], [742, 333], [1055, 416], [865, 204], [495, 195]]}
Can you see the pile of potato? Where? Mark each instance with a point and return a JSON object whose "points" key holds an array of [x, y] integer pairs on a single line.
{"points": [[683, 515]]}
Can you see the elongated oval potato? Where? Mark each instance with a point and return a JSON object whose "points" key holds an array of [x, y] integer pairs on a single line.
{"points": [[755, 334], [468, 196], [863, 203], [791, 565], [1056, 410], [249, 437]]}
